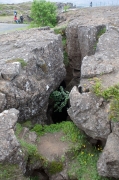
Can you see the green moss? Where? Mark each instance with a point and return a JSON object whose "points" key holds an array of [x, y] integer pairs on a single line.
{"points": [[23, 63], [111, 94], [44, 68], [99, 33], [66, 59], [60, 30], [38, 129], [55, 167], [18, 129]]}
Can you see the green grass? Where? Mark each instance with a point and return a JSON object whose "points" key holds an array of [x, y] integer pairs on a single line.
{"points": [[10, 172], [84, 166], [30, 148], [60, 30], [66, 59], [71, 132], [82, 156], [18, 129], [99, 33], [111, 94]]}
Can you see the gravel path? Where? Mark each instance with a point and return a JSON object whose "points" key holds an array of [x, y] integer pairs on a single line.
{"points": [[4, 27]]}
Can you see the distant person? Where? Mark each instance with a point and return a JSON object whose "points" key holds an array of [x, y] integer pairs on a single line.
{"points": [[15, 13], [15, 19], [21, 18], [91, 4]]}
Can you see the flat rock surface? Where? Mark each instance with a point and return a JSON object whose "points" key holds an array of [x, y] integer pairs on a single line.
{"points": [[91, 16]]}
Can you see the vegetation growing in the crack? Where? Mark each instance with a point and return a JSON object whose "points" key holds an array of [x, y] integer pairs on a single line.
{"points": [[55, 167], [100, 33], [10, 171], [111, 94], [23, 63], [31, 149], [60, 98], [43, 13], [61, 31], [82, 157]]}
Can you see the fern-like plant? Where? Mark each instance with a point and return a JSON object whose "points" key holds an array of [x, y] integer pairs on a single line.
{"points": [[60, 98]]}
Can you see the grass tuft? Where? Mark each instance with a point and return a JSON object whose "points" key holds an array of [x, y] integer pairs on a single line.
{"points": [[112, 95]]}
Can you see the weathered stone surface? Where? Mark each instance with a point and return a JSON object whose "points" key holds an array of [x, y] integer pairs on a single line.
{"points": [[89, 114], [2, 101], [82, 35], [108, 163], [9, 147], [104, 62], [10, 70], [28, 89]]}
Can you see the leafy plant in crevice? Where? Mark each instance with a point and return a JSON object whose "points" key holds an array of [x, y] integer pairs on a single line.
{"points": [[111, 94], [60, 98]]}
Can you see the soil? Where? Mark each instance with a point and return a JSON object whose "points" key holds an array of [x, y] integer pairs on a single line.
{"points": [[51, 146]]}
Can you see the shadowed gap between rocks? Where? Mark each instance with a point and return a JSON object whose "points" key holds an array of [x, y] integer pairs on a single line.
{"points": [[56, 116], [38, 174]]}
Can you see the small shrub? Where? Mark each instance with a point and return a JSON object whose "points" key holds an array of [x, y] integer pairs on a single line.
{"points": [[43, 13], [38, 129], [60, 98]]}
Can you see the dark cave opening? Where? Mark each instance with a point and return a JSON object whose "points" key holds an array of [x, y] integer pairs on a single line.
{"points": [[53, 114], [39, 174], [58, 117]]}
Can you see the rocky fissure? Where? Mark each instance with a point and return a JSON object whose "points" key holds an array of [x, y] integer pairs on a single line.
{"points": [[31, 67]]}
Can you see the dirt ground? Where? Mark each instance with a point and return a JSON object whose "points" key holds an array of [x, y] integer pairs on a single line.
{"points": [[51, 146]]}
